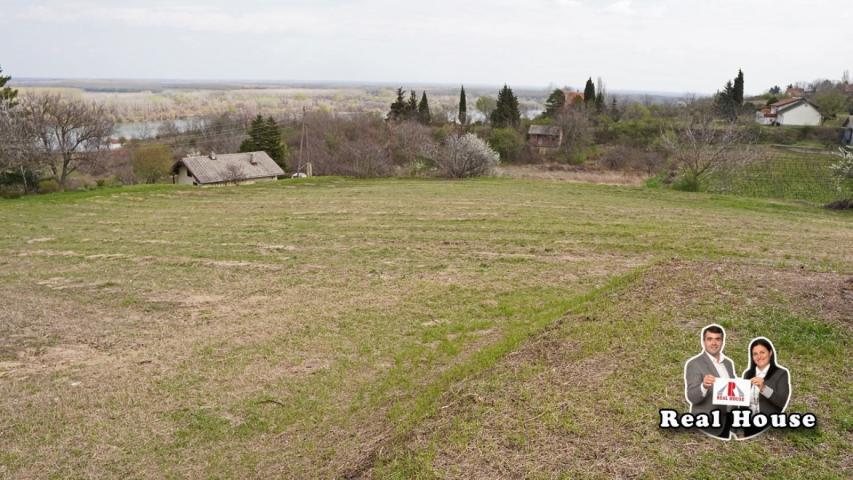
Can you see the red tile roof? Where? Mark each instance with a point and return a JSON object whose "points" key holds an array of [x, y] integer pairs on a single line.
{"points": [[781, 103]]}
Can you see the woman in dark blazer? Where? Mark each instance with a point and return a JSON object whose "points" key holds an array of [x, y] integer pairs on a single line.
{"points": [[771, 385]]}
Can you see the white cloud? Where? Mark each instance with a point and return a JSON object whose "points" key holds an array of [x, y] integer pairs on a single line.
{"points": [[622, 7], [192, 18]]}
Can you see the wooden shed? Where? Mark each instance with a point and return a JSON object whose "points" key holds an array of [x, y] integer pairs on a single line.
{"points": [[544, 138]]}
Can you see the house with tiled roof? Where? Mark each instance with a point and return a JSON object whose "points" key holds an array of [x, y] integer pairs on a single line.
{"points": [[795, 92], [572, 98], [232, 168], [791, 111]]}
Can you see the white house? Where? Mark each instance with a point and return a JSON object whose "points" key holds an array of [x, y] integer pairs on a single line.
{"points": [[234, 168], [791, 111]]}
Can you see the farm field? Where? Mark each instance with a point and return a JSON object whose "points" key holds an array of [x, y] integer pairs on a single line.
{"points": [[399, 328]]}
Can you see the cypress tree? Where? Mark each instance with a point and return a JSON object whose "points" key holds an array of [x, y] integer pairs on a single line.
{"points": [[589, 93], [463, 107], [423, 110], [506, 113], [737, 94], [554, 103]]}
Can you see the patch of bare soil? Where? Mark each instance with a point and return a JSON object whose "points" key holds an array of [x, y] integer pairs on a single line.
{"points": [[52, 359], [573, 173]]}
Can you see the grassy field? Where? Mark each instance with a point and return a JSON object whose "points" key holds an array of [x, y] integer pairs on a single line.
{"points": [[408, 328]]}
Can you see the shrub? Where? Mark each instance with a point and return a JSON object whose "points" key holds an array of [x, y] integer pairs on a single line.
{"points": [[11, 191], [638, 133], [507, 142], [466, 156], [686, 183], [26, 180], [786, 135], [80, 181], [151, 162], [623, 157], [49, 185], [842, 173]]}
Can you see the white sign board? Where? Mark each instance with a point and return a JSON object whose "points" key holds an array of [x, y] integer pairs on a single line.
{"points": [[732, 391]]}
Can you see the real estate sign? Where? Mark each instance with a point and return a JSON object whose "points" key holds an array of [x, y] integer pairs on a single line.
{"points": [[732, 391]]}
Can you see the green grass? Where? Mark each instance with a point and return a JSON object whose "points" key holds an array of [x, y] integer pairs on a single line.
{"points": [[298, 328]]}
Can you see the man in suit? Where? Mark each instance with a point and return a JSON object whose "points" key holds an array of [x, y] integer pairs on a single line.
{"points": [[700, 373]]}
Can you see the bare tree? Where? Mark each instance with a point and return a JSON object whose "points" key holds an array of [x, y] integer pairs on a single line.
{"points": [[219, 134], [66, 132], [700, 145], [412, 145], [577, 131], [17, 146]]}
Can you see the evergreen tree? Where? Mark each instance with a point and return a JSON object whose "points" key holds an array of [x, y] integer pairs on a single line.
{"points": [[599, 102], [398, 107], [555, 103], [253, 143], [7, 94], [614, 112], [600, 97], [737, 94], [463, 107], [589, 93], [412, 106], [506, 113], [423, 110], [265, 136], [272, 142], [725, 102]]}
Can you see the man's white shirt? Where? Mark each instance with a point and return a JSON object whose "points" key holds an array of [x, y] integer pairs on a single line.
{"points": [[721, 370]]}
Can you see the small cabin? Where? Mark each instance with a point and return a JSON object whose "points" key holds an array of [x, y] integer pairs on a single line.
{"points": [[544, 138]]}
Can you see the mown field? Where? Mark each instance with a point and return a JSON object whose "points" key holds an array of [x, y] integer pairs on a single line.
{"points": [[495, 328]]}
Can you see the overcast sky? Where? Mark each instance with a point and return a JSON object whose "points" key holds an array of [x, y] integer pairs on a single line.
{"points": [[653, 45]]}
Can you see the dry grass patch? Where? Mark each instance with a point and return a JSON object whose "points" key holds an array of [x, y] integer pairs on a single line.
{"points": [[573, 173]]}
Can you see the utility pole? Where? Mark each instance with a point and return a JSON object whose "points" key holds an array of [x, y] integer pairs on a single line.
{"points": [[301, 142], [303, 150]]}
